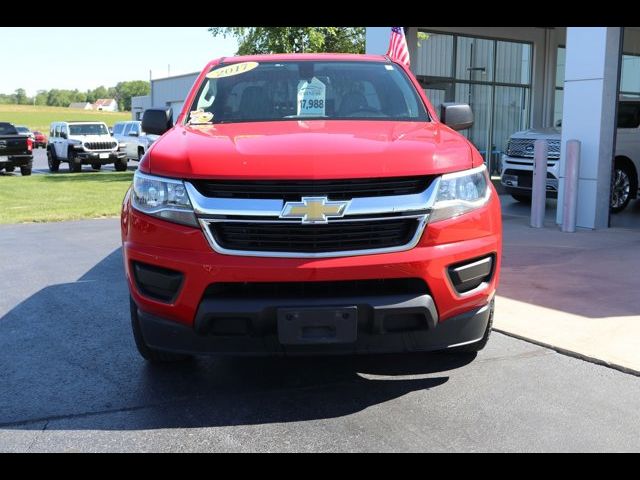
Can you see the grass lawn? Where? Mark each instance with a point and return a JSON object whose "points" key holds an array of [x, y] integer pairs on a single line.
{"points": [[39, 117], [63, 196]]}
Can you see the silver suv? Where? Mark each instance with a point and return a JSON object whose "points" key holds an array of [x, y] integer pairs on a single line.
{"points": [[84, 143], [517, 163], [137, 142]]}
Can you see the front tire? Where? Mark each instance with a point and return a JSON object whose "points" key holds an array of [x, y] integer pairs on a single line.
{"points": [[120, 165], [54, 163], [74, 167], [521, 198], [620, 188], [151, 354]]}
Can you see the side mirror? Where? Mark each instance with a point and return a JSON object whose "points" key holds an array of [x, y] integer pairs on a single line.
{"points": [[457, 116], [133, 134], [63, 134], [110, 131], [157, 120]]}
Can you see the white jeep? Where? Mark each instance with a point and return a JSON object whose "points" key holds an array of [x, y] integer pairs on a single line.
{"points": [[84, 143], [517, 163]]}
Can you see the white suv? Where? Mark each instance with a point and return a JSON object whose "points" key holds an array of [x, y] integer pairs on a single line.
{"points": [[84, 143], [137, 142], [517, 163]]}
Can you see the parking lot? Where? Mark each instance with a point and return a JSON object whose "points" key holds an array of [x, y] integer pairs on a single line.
{"points": [[73, 381]]}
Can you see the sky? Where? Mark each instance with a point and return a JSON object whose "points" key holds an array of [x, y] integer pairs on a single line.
{"points": [[87, 57]]}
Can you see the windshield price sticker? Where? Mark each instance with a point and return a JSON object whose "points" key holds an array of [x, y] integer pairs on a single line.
{"points": [[234, 69], [199, 117], [311, 98]]}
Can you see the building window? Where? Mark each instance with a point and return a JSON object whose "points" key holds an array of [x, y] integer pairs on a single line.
{"points": [[493, 76], [629, 80]]}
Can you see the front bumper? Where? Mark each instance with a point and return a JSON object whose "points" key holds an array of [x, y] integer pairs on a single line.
{"points": [[517, 176], [159, 243], [265, 335], [18, 161], [87, 158]]}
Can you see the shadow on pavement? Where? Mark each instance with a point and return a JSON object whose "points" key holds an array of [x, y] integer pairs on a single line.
{"points": [[593, 274], [68, 361]]}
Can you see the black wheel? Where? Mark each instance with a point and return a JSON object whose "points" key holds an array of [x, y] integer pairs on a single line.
{"points": [[54, 163], [9, 169], [521, 198], [96, 166], [25, 171], [620, 187], [120, 165], [74, 166], [479, 345], [148, 353]]}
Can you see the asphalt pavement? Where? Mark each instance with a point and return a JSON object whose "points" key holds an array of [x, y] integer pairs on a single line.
{"points": [[73, 381]]}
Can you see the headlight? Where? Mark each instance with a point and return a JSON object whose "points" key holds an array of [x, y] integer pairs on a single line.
{"points": [[461, 192], [165, 198], [122, 145]]}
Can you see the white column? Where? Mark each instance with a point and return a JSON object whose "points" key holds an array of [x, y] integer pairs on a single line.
{"points": [[590, 95]]}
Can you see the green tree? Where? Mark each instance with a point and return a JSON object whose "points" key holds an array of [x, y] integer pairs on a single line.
{"points": [[41, 97], [257, 40], [125, 90], [21, 96], [96, 93]]}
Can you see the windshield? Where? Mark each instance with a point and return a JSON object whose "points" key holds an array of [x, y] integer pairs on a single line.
{"points": [[7, 129], [22, 130], [335, 90], [88, 129]]}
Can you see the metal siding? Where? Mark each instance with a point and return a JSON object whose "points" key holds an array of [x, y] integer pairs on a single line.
{"points": [[434, 56], [172, 89]]}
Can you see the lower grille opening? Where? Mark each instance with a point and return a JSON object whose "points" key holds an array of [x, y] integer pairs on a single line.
{"points": [[466, 276], [331, 237], [157, 283], [525, 177], [392, 286]]}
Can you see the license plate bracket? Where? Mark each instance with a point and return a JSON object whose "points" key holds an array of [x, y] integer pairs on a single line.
{"points": [[104, 156], [322, 325]]}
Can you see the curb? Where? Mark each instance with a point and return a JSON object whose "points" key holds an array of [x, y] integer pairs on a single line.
{"points": [[573, 354]]}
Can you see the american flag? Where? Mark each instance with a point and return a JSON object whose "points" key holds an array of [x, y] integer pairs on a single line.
{"points": [[398, 50]]}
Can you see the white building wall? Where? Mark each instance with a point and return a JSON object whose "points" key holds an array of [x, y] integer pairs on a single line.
{"points": [[138, 105], [172, 91], [590, 97]]}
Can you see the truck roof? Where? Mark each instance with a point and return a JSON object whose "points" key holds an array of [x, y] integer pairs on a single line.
{"points": [[302, 56]]}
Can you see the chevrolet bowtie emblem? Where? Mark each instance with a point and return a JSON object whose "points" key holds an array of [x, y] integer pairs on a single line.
{"points": [[314, 209]]}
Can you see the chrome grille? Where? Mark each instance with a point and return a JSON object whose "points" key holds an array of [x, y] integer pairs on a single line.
{"points": [[524, 147], [332, 237], [260, 227], [100, 145]]}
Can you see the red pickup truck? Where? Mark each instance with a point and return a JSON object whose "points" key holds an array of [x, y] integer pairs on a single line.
{"points": [[310, 204]]}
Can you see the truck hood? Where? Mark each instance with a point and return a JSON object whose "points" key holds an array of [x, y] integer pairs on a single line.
{"points": [[92, 138], [314, 149]]}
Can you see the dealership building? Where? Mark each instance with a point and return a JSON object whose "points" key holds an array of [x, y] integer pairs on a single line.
{"points": [[514, 78]]}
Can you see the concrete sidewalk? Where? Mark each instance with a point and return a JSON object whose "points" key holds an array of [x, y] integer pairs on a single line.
{"points": [[575, 292]]}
